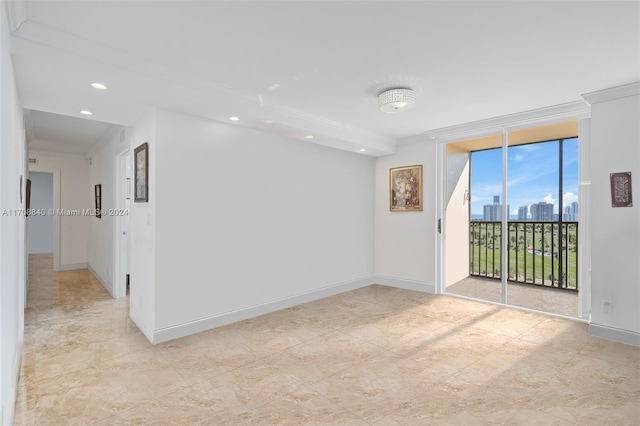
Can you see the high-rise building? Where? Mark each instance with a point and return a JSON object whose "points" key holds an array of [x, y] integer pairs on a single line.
{"points": [[542, 212], [571, 212], [493, 212], [523, 212]]}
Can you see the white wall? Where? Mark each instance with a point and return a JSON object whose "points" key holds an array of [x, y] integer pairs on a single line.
{"points": [[405, 242], [75, 193], [142, 292], [40, 226], [245, 218], [456, 229], [615, 232], [12, 228]]}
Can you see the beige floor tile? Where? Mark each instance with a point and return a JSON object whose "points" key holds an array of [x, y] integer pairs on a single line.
{"points": [[375, 355]]}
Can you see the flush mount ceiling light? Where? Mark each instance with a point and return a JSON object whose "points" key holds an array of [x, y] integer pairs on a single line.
{"points": [[234, 118], [396, 100], [85, 112], [99, 86]]}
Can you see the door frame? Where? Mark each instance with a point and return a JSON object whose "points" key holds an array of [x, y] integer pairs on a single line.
{"points": [[56, 206], [120, 253]]}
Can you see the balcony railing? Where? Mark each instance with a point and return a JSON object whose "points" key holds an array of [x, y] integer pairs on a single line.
{"points": [[539, 253]]}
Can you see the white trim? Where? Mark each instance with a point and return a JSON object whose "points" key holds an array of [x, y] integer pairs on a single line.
{"points": [[196, 326], [406, 284], [492, 126], [615, 334], [120, 189], [74, 266], [584, 229], [16, 14], [106, 284], [632, 89], [141, 324]]}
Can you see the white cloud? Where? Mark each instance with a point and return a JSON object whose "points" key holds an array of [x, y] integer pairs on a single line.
{"points": [[549, 199], [568, 198]]}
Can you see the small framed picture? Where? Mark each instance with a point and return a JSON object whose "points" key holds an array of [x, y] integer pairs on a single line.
{"points": [[98, 195], [141, 184], [405, 188], [621, 195]]}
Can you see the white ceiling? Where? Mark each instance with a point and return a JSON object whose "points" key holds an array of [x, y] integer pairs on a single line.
{"points": [[317, 67]]}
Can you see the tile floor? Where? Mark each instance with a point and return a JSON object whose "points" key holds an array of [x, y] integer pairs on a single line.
{"points": [[376, 355], [556, 301]]}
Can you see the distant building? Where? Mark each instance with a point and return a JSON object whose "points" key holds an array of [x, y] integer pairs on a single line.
{"points": [[493, 212], [542, 212], [571, 213], [523, 212]]}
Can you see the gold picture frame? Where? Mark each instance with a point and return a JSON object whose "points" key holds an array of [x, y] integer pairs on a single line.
{"points": [[405, 188]]}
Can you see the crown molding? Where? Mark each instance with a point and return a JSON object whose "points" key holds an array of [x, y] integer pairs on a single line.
{"points": [[112, 132], [16, 14], [631, 89], [64, 49], [537, 117]]}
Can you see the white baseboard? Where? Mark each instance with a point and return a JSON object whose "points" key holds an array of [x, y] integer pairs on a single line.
{"points": [[192, 327], [142, 325], [414, 285], [106, 284], [615, 334], [73, 266]]}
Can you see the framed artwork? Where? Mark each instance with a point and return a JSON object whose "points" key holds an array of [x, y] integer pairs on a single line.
{"points": [[141, 184], [405, 188], [621, 195], [28, 196], [98, 194]]}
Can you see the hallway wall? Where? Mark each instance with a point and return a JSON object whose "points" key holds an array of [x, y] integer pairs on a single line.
{"points": [[75, 193], [12, 227]]}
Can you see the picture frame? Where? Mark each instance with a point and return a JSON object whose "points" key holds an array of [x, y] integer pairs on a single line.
{"points": [[28, 196], [98, 197], [621, 194], [141, 167], [405, 188]]}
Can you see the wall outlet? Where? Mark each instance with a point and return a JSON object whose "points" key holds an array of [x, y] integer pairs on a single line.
{"points": [[607, 307]]}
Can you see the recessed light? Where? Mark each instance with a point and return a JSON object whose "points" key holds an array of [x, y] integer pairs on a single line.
{"points": [[309, 136], [268, 121], [99, 86], [362, 150], [85, 112], [234, 118]]}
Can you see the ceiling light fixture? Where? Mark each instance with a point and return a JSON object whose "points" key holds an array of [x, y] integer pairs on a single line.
{"points": [[85, 112], [309, 136], [234, 118], [396, 100], [99, 86], [362, 150]]}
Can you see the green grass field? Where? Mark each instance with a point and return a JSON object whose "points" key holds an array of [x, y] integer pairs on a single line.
{"points": [[526, 253]]}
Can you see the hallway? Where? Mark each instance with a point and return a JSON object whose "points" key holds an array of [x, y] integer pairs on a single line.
{"points": [[376, 355]]}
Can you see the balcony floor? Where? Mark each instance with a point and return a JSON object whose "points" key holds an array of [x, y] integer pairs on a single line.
{"points": [[555, 301]]}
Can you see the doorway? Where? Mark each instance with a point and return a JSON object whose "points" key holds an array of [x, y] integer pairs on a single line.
{"points": [[511, 218], [123, 188]]}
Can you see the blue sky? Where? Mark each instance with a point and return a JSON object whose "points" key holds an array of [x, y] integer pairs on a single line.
{"points": [[532, 175]]}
